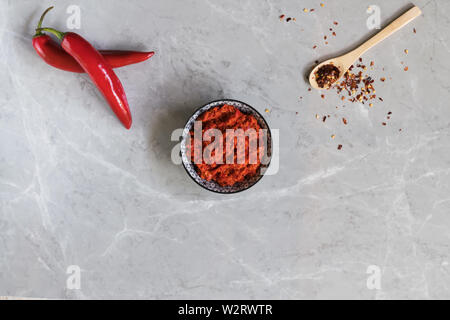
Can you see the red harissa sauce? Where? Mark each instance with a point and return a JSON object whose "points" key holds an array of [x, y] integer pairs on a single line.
{"points": [[223, 118]]}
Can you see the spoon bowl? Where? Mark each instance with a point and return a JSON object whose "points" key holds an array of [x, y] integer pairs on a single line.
{"points": [[337, 62]]}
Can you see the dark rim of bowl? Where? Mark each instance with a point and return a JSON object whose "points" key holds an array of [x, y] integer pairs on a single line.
{"points": [[271, 145]]}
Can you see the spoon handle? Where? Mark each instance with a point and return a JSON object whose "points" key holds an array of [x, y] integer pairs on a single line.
{"points": [[395, 25]]}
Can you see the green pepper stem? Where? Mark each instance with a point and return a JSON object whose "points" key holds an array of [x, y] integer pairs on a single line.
{"points": [[38, 32], [60, 35]]}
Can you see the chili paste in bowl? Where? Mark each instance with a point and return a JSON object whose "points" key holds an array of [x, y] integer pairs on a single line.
{"points": [[226, 146]]}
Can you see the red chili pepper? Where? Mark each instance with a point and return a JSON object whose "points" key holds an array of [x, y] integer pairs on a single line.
{"points": [[101, 73], [52, 53]]}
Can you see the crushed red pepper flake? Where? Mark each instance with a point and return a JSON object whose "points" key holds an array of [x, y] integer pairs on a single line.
{"points": [[358, 86], [282, 17], [406, 68], [414, 30], [326, 75], [356, 83], [335, 23], [314, 47]]}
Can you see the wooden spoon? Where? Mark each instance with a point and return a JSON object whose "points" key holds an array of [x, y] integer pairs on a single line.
{"points": [[344, 62]]}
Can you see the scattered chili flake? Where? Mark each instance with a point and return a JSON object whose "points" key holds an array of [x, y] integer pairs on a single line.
{"points": [[335, 23], [311, 10], [383, 123], [358, 86], [326, 75], [326, 42], [383, 79], [288, 19], [414, 30], [324, 37], [344, 121], [360, 59], [381, 99], [322, 96], [282, 17], [334, 33], [406, 69], [324, 118], [309, 89], [339, 147], [389, 113], [372, 63], [314, 47]]}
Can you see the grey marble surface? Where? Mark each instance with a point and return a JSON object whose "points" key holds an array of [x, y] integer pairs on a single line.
{"points": [[78, 189]]}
